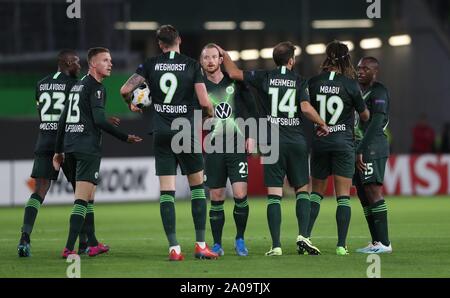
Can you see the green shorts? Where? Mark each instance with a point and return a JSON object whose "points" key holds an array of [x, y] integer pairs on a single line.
{"points": [[292, 163], [374, 173], [220, 166], [166, 161], [83, 167], [339, 163], [43, 167]]}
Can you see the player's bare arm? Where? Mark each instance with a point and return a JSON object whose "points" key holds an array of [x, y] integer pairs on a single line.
{"points": [[234, 72], [127, 90], [312, 115]]}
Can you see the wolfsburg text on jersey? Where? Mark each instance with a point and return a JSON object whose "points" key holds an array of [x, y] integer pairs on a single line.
{"points": [[48, 126], [180, 109], [75, 128], [284, 121]]}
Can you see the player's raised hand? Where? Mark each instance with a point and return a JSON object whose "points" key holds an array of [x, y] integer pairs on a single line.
{"points": [[134, 108], [360, 163], [133, 139], [323, 130], [58, 159], [221, 51], [114, 121]]}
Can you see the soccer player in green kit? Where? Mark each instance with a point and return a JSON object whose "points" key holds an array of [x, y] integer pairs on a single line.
{"points": [[335, 93], [51, 94], [231, 100], [79, 137], [372, 154], [284, 97], [173, 79]]}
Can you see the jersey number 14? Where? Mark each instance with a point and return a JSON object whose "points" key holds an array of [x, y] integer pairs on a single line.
{"points": [[287, 103]]}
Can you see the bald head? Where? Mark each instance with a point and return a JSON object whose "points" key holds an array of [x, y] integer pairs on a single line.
{"points": [[69, 62]]}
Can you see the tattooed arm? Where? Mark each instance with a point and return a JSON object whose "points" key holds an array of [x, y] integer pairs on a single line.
{"points": [[127, 89]]}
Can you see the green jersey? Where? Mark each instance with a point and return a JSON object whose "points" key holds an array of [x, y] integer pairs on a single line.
{"points": [[51, 95], [231, 100], [86, 119], [171, 77], [336, 97], [377, 101], [281, 91]]}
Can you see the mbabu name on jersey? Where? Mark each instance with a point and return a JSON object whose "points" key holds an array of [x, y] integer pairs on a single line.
{"points": [[330, 89]]}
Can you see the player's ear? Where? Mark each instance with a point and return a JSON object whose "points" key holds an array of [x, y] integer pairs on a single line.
{"points": [[178, 40], [220, 60], [292, 60]]}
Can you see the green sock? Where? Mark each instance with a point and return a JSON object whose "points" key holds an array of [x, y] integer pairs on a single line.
{"points": [[198, 208], [316, 199], [343, 215], [240, 214], [167, 211], [379, 213], [76, 222], [366, 208], [274, 219], [217, 220], [89, 225], [303, 210], [31, 211], [370, 222]]}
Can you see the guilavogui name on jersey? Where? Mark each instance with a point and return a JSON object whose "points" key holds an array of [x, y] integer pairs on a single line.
{"points": [[52, 87]]}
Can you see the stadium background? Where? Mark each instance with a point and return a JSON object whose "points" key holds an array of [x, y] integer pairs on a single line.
{"points": [[416, 72]]}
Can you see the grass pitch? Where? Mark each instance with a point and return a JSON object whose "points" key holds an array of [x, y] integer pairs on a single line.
{"points": [[419, 231]]}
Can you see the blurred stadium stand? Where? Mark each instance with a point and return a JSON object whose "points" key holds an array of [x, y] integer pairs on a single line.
{"points": [[33, 31]]}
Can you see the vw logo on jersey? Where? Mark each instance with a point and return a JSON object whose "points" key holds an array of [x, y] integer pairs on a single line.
{"points": [[223, 110], [229, 90]]}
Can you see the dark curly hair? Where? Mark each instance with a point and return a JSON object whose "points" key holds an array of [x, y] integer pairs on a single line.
{"points": [[338, 57]]}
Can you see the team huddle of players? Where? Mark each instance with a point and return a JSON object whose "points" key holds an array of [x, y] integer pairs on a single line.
{"points": [[73, 117]]}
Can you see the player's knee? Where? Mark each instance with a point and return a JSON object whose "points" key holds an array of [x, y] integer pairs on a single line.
{"points": [[42, 186], [240, 193], [217, 194], [196, 178], [373, 192]]}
